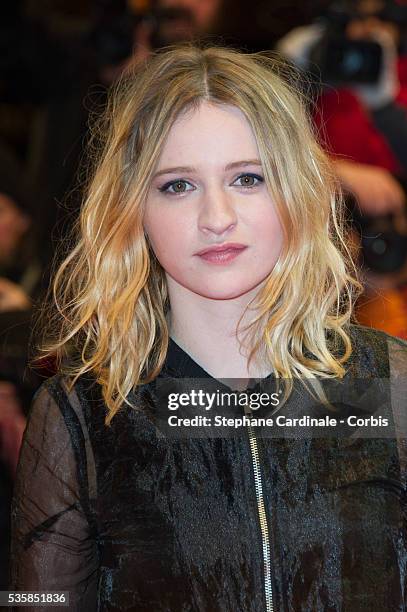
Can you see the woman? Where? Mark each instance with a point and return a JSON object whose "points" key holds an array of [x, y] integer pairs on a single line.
{"points": [[210, 248]]}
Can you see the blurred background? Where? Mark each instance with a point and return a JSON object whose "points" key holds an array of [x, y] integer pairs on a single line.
{"points": [[57, 61]]}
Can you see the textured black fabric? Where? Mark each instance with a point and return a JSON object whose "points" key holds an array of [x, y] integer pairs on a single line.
{"points": [[127, 520]]}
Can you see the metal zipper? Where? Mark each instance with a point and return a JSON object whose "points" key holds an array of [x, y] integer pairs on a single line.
{"points": [[268, 589]]}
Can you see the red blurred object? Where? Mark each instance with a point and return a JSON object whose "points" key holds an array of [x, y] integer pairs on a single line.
{"points": [[346, 130], [402, 72]]}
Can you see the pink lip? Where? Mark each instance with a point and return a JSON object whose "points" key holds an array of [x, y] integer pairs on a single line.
{"points": [[227, 246], [222, 254]]}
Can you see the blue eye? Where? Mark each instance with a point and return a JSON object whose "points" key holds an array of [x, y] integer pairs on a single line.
{"points": [[175, 187], [249, 180]]}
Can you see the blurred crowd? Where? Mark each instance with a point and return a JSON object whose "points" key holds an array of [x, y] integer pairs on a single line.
{"points": [[58, 60]]}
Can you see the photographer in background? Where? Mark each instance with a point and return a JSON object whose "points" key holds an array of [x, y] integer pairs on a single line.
{"points": [[357, 49], [358, 113]]}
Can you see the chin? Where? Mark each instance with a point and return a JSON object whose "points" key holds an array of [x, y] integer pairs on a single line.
{"points": [[213, 287], [222, 292]]}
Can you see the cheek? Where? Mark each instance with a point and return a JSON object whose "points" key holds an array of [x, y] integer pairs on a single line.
{"points": [[269, 232], [165, 233], [153, 229]]}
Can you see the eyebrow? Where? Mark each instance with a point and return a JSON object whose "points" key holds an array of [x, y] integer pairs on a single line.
{"points": [[181, 169]]}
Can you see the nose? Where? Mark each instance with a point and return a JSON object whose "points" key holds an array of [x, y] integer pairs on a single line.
{"points": [[217, 213]]}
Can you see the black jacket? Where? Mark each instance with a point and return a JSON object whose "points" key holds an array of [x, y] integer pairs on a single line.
{"points": [[125, 519]]}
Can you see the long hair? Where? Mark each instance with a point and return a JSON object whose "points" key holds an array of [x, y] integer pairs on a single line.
{"points": [[110, 292]]}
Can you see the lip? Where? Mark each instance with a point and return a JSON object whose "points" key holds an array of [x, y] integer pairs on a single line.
{"points": [[220, 248], [222, 254]]}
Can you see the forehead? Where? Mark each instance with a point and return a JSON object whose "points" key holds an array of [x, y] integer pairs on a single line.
{"points": [[209, 132]]}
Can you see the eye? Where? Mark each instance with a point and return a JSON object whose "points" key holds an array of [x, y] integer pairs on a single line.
{"points": [[176, 187], [249, 180]]}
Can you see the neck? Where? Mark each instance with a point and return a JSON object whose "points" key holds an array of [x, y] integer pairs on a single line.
{"points": [[206, 329]]}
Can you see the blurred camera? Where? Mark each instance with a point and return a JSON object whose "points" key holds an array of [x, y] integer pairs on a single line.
{"points": [[347, 61], [384, 249], [383, 239], [342, 60]]}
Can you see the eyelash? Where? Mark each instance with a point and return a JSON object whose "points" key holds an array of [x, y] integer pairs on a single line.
{"points": [[165, 188], [259, 179]]}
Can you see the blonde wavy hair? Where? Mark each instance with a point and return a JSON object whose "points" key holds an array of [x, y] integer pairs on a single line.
{"points": [[110, 292]]}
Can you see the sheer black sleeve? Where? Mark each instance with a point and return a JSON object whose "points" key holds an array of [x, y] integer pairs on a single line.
{"points": [[398, 381], [53, 543]]}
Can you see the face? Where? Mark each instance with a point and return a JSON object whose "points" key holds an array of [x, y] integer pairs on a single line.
{"points": [[208, 191]]}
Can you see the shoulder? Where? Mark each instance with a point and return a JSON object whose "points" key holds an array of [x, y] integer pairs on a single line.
{"points": [[59, 404], [62, 389], [44, 403], [50, 395], [46, 434], [374, 351]]}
